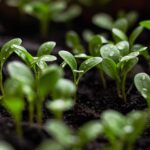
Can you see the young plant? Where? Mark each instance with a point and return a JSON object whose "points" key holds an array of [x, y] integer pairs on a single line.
{"points": [[6, 51], [46, 11], [21, 78], [62, 97], [142, 83], [85, 66], [122, 131], [118, 61], [64, 138], [123, 23]]}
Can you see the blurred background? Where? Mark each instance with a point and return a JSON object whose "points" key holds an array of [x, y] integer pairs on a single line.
{"points": [[40, 20]]}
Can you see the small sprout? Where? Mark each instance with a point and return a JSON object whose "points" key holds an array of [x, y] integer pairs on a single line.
{"points": [[15, 107], [45, 85], [142, 83], [62, 97], [123, 130], [117, 62], [73, 41], [67, 139], [84, 67], [60, 132], [23, 81], [89, 131]]}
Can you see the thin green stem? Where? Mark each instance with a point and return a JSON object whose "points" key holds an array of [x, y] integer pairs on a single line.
{"points": [[123, 88], [102, 78], [18, 127], [39, 110], [31, 112], [44, 26], [1, 82], [118, 83]]}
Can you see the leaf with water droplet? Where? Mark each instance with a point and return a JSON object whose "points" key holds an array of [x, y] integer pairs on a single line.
{"points": [[110, 51], [142, 83], [7, 49]]}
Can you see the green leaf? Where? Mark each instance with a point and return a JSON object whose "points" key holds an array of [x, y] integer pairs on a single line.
{"points": [[94, 45], [114, 123], [48, 79], [20, 72], [103, 21], [70, 60], [23, 54], [138, 120], [15, 106], [46, 48], [60, 132], [119, 35], [142, 83], [50, 145], [72, 39], [123, 47], [7, 49], [129, 64], [121, 24], [64, 89], [110, 68], [130, 56], [90, 131], [110, 51], [87, 65], [145, 24], [134, 35], [59, 105]]}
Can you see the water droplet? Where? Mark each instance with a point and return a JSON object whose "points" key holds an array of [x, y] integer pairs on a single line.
{"points": [[144, 89], [128, 129], [143, 77], [111, 53]]}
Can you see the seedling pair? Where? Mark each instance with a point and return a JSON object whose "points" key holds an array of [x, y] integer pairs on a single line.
{"points": [[118, 61], [85, 66]]}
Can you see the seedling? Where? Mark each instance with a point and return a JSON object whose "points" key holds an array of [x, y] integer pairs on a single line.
{"points": [[62, 97], [46, 11], [118, 35], [5, 52], [85, 66], [122, 131], [123, 23], [23, 81], [142, 83], [118, 61], [64, 138]]}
